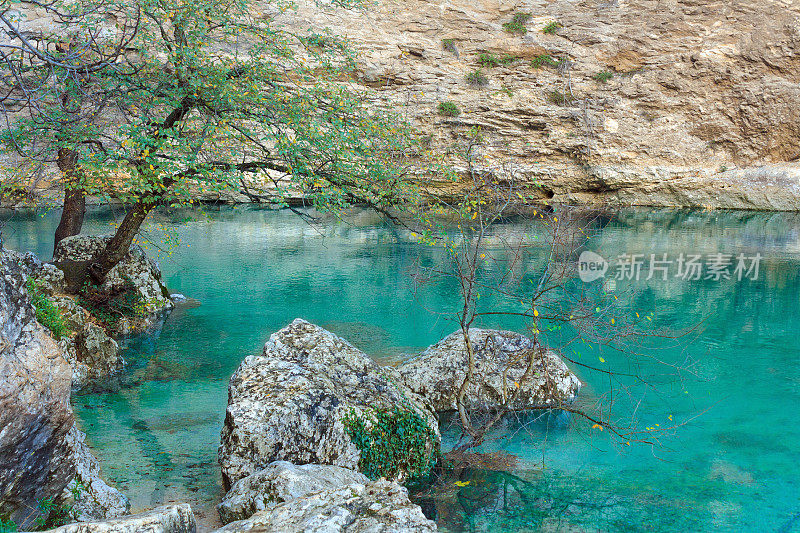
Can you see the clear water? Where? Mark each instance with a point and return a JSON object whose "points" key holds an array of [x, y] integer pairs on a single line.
{"points": [[733, 464]]}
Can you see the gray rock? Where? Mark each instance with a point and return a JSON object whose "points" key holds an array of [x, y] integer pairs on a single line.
{"points": [[92, 354], [136, 269], [168, 519], [41, 449], [177, 297], [381, 506], [289, 403], [280, 482], [437, 373]]}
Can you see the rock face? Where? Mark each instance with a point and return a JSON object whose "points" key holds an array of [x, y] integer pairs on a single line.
{"points": [[167, 519], [702, 107], [41, 449], [136, 271], [279, 482], [381, 506], [437, 373], [289, 403]]}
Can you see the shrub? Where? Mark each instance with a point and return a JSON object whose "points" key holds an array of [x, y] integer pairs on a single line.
{"points": [[552, 27], [7, 525], [315, 39], [490, 60], [448, 109], [559, 98], [109, 307], [392, 440], [517, 24], [546, 60], [47, 313], [450, 45], [477, 78], [603, 76], [52, 515]]}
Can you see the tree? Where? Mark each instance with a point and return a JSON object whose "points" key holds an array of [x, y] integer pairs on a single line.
{"points": [[532, 278], [150, 101]]}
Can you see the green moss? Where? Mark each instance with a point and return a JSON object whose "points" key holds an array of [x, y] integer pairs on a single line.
{"points": [[448, 109], [552, 27], [603, 76], [47, 313], [517, 24], [392, 441]]}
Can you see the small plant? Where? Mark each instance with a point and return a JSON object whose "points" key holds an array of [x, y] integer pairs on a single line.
{"points": [[7, 525], [559, 98], [450, 46], [490, 60], [47, 313], [546, 60], [318, 40], [392, 441], [52, 515], [477, 78], [109, 307], [603, 76], [448, 109], [517, 24], [507, 91], [552, 27]]}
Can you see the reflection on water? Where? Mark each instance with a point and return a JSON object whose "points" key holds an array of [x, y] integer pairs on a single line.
{"points": [[736, 467]]}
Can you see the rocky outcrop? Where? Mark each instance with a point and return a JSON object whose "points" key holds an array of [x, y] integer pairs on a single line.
{"points": [[381, 506], [42, 451], [279, 482], [92, 354], [501, 359], [136, 272], [167, 519], [290, 402]]}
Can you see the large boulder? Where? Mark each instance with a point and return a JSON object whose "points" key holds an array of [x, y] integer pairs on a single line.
{"points": [[380, 506], [167, 519], [501, 359], [135, 272], [41, 449], [292, 403], [279, 482]]}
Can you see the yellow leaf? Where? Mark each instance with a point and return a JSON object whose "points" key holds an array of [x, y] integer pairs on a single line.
{"points": [[535, 312], [462, 483], [597, 426], [602, 360]]}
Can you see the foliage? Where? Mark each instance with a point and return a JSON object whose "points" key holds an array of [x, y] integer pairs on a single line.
{"points": [[47, 313], [559, 98], [7, 525], [232, 95], [52, 515], [490, 60], [108, 307], [545, 60], [391, 441], [450, 45], [477, 78], [448, 109], [517, 24], [552, 27], [603, 76]]}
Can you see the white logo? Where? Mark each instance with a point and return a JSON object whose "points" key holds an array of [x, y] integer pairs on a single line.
{"points": [[591, 266]]}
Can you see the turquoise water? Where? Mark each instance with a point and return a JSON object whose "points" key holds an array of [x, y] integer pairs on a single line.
{"points": [[731, 461]]}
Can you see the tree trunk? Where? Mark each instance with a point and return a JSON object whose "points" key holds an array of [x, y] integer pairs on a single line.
{"points": [[120, 243], [74, 199]]}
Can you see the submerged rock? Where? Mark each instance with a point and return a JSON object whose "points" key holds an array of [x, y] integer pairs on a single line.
{"points": [[279, 482], [168, 519], [290, 403], [135, 272], [437, 373], [41, 449], [381, 506]]}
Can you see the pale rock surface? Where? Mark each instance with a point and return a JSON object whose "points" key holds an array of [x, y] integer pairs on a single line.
{"points": [[378, 507], [437, 373], [167, 519], [279, 482], [288, 403]]}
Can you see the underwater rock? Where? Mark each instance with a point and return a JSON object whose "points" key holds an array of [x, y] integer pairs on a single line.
{"points": [[437, 373], [41, 449], [290, 403], [279, 482], [371, 507], [167, 519], [135, 272]]}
